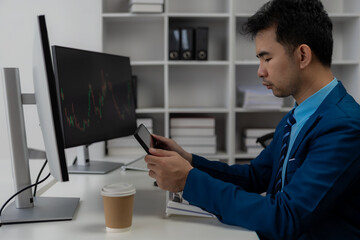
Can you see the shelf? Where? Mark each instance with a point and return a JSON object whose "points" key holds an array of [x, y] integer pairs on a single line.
{"points": [[343, 17], [246, 110], [335, 17], [131, 17], [247, 62], [256, 62], [243, 16], [198, 63], [178, 88], [218, 44], [198, 110], [345, 62], [125, 36], [208, 7], [150, 110], [207, 16], [147, 63]]}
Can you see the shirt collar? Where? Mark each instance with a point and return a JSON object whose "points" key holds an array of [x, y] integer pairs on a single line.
{"points": [[309, 106]]}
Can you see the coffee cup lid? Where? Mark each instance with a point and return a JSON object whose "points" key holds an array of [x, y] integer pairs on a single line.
{"points": [[118, 190]]}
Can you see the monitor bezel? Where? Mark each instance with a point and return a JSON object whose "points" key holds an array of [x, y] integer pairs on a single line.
{"points": [[46, 102]]}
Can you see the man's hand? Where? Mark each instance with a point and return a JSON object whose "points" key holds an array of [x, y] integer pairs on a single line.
{"points": [[171, 145], [168, 168]]}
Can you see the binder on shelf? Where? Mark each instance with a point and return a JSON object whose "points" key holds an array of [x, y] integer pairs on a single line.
{"points": [[187, 44], [201, 43], [174, 44]]}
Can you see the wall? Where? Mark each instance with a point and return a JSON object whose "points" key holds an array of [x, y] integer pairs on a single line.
{"points": [[71, 23]]}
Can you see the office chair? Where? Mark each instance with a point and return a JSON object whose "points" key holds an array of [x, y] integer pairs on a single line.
{"points": [[265, 139]]}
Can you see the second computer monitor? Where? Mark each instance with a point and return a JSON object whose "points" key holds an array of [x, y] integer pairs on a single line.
{"points": [[95, 95]]}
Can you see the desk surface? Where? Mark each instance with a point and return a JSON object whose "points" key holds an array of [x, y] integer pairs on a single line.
{"points": [[149, 219]]}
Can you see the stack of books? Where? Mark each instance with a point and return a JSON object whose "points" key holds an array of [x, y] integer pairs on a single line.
{"points": [[250, 136], [258, 98], [176, 205], [195, 135], [146, 6], [129, 145]]}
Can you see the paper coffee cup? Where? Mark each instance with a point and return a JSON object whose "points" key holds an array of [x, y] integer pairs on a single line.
{"points": [[118, 199]]}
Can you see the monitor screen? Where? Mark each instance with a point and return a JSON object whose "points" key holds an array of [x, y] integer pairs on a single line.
{"points": [[95, 95]]}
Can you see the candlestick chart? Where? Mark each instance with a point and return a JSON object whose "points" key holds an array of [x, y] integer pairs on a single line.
{"points": [[122, 105], [95, 94]]}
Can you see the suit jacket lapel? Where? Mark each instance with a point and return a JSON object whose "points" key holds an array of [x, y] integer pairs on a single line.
{"points": [[333, 98]]}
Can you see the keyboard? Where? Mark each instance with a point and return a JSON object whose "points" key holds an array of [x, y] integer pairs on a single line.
{"points": [[138, 164]]}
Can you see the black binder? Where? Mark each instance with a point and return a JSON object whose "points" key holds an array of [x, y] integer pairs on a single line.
{"points": [[187, 44], [201, 43], [174, 44]]}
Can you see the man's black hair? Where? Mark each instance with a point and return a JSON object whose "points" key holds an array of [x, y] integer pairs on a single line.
{"points": [[297, 22]]}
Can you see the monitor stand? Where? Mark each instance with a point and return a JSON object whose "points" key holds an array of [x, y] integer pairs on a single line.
{"points": [[83, 165], [45, 209], [26, 208]]}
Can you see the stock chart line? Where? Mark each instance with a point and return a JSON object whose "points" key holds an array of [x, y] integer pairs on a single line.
{"points": [[95, 106]]}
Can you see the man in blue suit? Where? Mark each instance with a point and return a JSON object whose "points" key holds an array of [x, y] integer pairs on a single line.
{"points": [[311, 169]]}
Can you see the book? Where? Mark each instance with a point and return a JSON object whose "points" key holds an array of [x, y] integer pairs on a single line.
{"points": [[148, 122], [192, 122], [175, 208], [258, 98], [257, 132], [145, 8], [192, 131], [251, 142], [194, 140], [129, 145], [200, 149], [146, 2]]}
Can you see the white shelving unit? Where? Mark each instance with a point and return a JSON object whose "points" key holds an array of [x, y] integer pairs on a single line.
{"points": [[209, 88]]}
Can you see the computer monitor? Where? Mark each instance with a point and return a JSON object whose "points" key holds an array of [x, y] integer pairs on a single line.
{"points": [[26, 208], [95, 96]]}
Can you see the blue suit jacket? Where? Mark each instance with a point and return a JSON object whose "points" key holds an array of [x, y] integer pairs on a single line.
{"points": [[321, 196]]}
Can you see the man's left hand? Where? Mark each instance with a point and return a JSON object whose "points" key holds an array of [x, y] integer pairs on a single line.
{"points": [[168, 168]]}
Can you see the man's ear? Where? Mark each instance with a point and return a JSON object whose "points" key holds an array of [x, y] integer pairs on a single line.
{"points": [[304, 54]]}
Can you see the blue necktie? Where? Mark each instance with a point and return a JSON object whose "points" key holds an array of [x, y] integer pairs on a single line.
{"points": [[284, 148]]}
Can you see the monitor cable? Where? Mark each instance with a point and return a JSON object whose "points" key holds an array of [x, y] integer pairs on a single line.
{"points": [[38, 177], [30, 186]]}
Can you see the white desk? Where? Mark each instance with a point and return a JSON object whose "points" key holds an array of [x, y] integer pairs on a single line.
{"points": [[149, 219]]}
